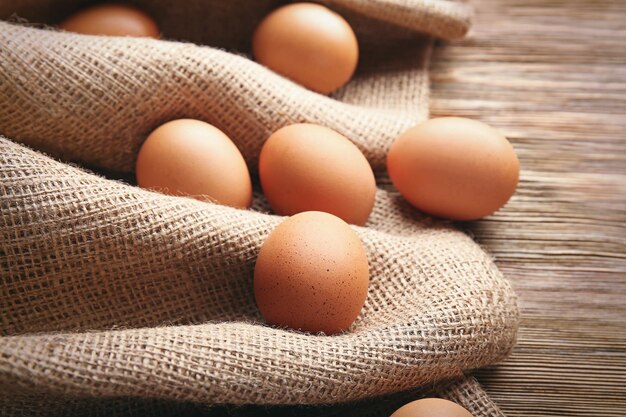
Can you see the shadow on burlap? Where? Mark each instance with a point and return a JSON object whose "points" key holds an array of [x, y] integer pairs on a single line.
{"points": [[119, 300]]}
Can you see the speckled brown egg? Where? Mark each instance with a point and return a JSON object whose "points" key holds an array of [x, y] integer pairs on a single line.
{"points": [[311, 274], [431, 407], [112, 20], [454, 168], [308, 167], [192, 158], [308, 43]]}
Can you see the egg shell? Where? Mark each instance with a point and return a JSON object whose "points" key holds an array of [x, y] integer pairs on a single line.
{"points": [[309, 44], [454, 168], [311, 274], [307, 167], [431, 407], [112, 20], [192, 158]]}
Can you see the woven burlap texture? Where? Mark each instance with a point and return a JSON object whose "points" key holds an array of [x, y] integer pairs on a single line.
{"points": [[82, 252], [112, 291], [94, 99], [466, 391]]}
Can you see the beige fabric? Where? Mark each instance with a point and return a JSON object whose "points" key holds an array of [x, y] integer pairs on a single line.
{"points": [[95, 99], [466, 391], [168, 280], [443, 19], [230, 23], [110, 292]]}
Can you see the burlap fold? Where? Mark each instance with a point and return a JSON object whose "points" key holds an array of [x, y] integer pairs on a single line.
{"points": [[110, 291], [466, 391], [87, 253]]}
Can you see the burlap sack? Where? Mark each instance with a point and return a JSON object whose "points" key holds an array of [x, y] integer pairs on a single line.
{"points": [[122, 300]]}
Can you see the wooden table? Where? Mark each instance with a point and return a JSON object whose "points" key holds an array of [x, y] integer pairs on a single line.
{"points": [[552, 76]]}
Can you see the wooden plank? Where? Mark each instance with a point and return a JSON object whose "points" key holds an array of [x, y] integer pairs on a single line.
{"points": [[552, 76]]}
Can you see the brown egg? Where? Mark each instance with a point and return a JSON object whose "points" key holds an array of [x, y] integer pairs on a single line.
{"points": [[311, 274], [431, 407], [309, 44], [113, 20], [305, 167], [192, 158], [455, 168]]}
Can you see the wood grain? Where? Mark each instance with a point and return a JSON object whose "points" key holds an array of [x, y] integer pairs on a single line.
{"points": [[552, 76]]}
